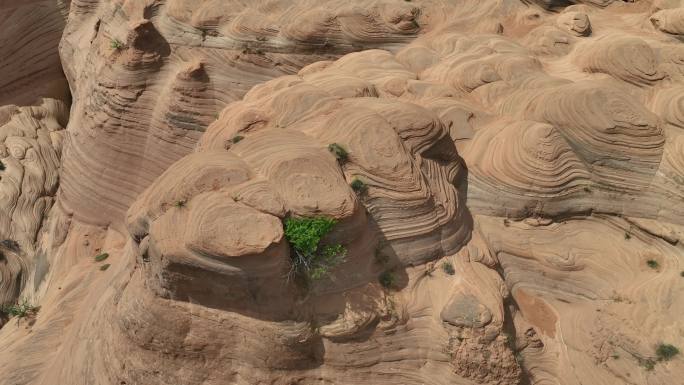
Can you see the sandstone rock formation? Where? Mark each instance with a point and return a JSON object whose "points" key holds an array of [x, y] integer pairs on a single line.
{"points": [[518, 220]]}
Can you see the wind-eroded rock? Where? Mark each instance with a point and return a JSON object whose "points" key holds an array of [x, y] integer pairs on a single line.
{"points": [[510, 202], [31, 140], [148, 77]]}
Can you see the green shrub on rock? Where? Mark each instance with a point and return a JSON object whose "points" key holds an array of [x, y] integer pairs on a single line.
{"points": [[312, 260]]}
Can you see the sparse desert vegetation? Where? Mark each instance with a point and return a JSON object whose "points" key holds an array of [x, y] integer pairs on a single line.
{"points": [[116, 44], [666, 352], [342, 192], [339, 152], [448, 268], [388, 279], [21, 309], [358, 186], [312, 260]]}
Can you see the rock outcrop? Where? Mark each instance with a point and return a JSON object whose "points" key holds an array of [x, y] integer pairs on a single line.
{"points": [[509, 195]]}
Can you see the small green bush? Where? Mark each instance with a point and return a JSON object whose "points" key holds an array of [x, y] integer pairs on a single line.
{"points": [[2, 166], [666, 352], [21, 310], [329, 257], [10, 244], [339, 152], [652, 263], [358, 186], [387, 279], [448, 268], [304, 234], [180, 203], [312, 260], [105, 266], [101, 257], [628, 236], [116, 44], [237, 138]]}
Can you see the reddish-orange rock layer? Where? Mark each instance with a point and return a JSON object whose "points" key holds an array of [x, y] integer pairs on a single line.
{"points": [[523, 165]]}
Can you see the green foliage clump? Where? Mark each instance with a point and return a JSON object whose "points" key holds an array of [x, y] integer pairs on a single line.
{"points": [[358, 186], [304, 234], [628, 235], [652, 263], [105, 266], [312, 260], [339, 152], [2, 166], [101, 257], [10, 244], [237, 138], [180, 203], [20, 310], [666, 352], [387, 279], [116, 44], [448, 268], [330, 256]]}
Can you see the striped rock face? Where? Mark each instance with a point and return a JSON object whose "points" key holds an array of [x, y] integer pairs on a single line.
{"points": [[506, 179]]}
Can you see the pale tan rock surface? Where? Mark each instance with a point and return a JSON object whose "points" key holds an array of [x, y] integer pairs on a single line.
{"points": [[535, 147]]}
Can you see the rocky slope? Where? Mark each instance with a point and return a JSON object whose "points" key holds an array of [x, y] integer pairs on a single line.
{"points": [[518, 221]]}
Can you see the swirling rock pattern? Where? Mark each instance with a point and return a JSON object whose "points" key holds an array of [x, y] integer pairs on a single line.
{"points": [[523, 177], [669, 21], [626, 58], [33, 113], [575, 22], [32, 140], [167, 69]]}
